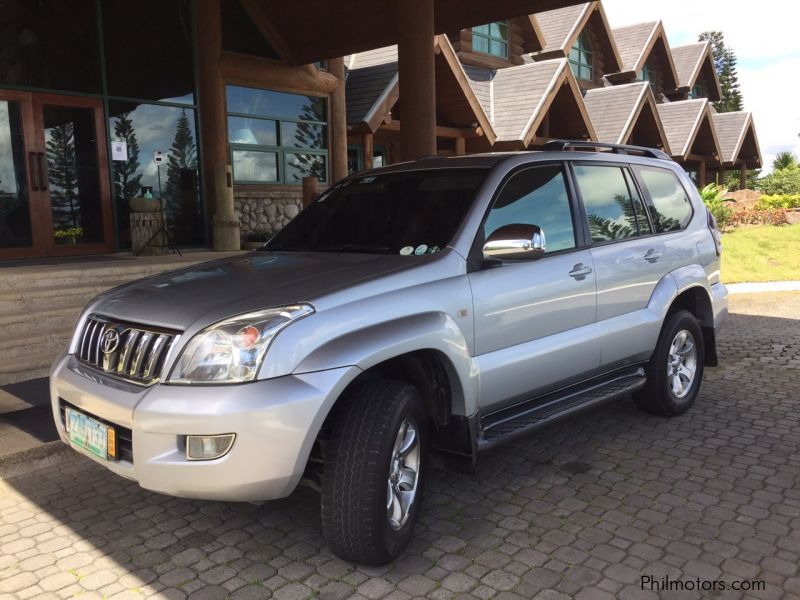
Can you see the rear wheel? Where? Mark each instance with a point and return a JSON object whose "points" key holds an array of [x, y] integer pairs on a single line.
{"points": [[676, 368], [375, 469]]}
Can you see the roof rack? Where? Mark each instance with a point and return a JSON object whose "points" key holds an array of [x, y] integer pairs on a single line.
{"points": [[561, 145]]}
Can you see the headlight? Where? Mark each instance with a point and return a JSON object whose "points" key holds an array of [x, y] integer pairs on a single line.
{"points": [[232, 350]]}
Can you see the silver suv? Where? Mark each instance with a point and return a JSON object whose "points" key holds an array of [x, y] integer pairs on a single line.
{"points": [[413, 315]]}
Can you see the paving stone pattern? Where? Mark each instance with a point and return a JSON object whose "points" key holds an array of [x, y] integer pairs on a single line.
{"points": [[583, 509]]}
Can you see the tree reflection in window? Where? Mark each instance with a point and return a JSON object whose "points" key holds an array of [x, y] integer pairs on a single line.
{"points": [[63, 176]]}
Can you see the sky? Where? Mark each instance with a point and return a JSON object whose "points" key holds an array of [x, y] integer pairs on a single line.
{"points": [[764, 36]]}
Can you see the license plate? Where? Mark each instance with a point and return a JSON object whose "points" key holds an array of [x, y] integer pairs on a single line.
{"points": [[89, 434]]}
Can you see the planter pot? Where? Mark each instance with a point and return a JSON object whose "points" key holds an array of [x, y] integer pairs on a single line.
{"points": [[252, 245], [145, 205]]}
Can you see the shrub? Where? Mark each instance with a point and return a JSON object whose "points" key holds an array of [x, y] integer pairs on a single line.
{"points": [[753, 216], [717, 206], [784, 201], [781, 181], [259, 235]]}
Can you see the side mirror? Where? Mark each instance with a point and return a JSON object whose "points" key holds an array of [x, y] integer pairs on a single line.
{"points": [[516, 242]]}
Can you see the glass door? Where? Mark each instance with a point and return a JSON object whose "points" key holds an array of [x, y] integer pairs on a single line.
{"points": [[18, 161], [74, 183]]}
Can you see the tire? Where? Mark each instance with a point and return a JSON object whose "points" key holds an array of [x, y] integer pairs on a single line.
{"points": [[361, 471], [670, 390]]}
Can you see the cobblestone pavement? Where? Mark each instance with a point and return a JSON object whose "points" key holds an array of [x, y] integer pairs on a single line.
{"points": [[583, 509]]}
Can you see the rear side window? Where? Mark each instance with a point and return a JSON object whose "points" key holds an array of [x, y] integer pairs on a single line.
{"points": [[613, 206], [673, 211], [536, 196]]}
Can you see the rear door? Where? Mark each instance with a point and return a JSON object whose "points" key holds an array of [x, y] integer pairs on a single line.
{"points": [[629, 259], [535, 319]]}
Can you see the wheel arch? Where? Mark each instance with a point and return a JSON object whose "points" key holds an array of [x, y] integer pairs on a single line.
{"points": [[697, 301]]}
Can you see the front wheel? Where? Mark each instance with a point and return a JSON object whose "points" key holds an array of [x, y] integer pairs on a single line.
{"points": [[375, 467], [676, 368]]}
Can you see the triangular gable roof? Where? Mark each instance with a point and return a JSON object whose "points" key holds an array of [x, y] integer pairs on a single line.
{"points": [[691, 61], [735, 130], [561, 27], [615, 111], [373, 85], [637, 42], [683, 121], [517, 99]]}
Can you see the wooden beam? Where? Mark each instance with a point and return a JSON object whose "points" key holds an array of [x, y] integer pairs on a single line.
{"points": [[338, 122], [368, 148], [242, 69], [701, 174], [460, 146], [214, 126], [441, 130], [743, 177], [416, 68]]}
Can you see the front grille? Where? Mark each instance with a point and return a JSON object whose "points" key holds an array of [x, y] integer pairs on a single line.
{"points": [[124, 436], [132, 352]]}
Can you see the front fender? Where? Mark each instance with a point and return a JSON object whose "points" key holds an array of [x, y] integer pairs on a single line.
{"points": [[370, 346]]}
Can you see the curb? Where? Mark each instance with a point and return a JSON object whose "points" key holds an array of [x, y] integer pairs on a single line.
{"points": [[33, 459], [764, 286]]}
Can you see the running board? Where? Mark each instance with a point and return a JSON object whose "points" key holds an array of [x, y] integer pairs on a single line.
{"points": [[515, 421]]}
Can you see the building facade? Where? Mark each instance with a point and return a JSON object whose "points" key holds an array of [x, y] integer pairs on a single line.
{"points": [[221, 109]]}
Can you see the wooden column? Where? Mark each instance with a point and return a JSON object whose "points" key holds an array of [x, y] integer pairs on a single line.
{"points": [[417, 78], [368, 148], [213, 125], [310, 189], [721, 176], [338, 150], [701, 174], [743, 177], [460, 146]]}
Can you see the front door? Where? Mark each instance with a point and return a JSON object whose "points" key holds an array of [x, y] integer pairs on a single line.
{"points": [[535, 320], [54, 190]]}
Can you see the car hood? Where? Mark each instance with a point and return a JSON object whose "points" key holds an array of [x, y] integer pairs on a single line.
{"points": [[215, 290]]}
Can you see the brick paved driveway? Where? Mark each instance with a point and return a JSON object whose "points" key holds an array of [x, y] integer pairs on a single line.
{"points": [[582, 509]]}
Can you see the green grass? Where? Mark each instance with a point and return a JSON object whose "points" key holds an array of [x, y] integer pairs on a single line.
{"points": [[761, 253]]}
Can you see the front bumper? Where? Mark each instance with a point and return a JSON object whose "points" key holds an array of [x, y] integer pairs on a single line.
{"points": [[275, 421]]}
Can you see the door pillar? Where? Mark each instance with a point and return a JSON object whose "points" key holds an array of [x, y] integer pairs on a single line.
{"points": [[417, 78], [213, 126], [338, 122]]}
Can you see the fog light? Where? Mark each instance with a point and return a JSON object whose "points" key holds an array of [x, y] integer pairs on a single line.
{"points": [[208, 447]]}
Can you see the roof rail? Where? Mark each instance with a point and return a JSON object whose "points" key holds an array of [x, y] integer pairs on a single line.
{"points": [[561, 145]]}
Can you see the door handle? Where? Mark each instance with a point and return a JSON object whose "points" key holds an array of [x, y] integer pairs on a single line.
{"points": [[652, 256], [42, 172], [36, 180], [580, 272]]}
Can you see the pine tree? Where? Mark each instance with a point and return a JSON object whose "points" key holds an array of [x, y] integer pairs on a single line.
{"points": [[63, 176], [725, 63], [309, 135], [126, 181], [182, 155]]}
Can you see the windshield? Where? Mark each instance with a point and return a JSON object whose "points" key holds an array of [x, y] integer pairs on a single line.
{"points": [[410, 213]]}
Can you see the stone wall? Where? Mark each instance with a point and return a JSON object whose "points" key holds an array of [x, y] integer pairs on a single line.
{"points": [[266, 208]]}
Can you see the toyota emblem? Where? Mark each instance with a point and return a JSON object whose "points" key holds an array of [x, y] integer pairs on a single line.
{"points": [[110, 341]]}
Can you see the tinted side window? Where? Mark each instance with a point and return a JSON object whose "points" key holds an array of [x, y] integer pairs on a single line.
{"points": [[613, 206], [673, 211], [536, 196]]}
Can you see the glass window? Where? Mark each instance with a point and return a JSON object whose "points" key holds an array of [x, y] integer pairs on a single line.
{"points": [[353, 159], [416, 212], [581, 58], [536, 196], [146, 129], [265, 131], [256, 167], [648, 74], [15, 218], [696, 92], [613, 206], [491, 38], [673, 211], [148, 49], [51, 44]]}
